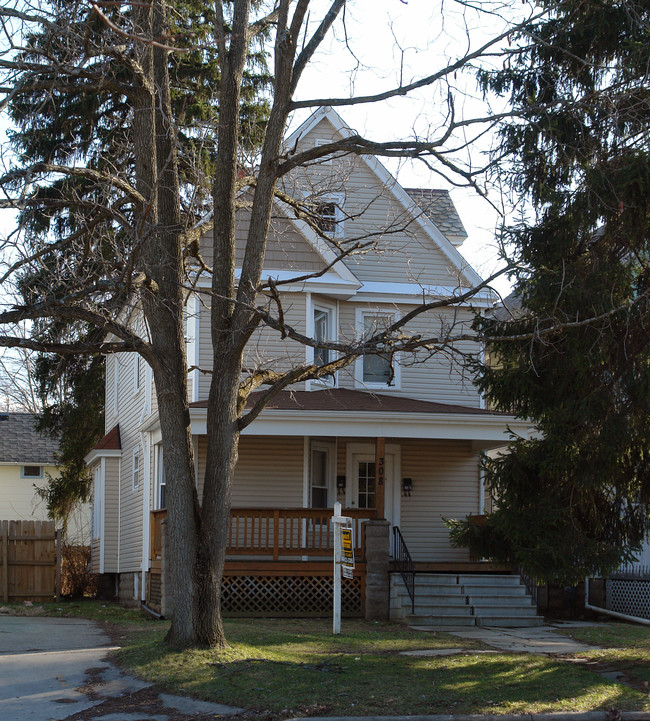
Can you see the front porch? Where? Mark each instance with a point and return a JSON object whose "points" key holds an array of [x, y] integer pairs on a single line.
{"points": [[280, 563]]}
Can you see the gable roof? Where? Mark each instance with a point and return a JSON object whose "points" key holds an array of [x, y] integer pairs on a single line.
{"points": [[439, 240], [21, 443], [438, 205]]}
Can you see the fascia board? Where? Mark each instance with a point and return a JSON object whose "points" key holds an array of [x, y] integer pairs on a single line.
{"points": [[99, 453], [443, 426], [415, 293]]}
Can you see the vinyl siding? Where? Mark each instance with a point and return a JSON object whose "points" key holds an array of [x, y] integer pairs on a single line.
{"points": [[445, 485], [286, 247], [433, 378], [266, 348], [402, 251], [111, 521], [269, 472], [130, 414]]}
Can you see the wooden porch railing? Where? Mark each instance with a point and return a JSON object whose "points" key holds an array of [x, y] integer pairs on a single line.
{"points": [[277, 532]]}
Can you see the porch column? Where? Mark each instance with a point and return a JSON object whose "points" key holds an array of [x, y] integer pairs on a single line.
{"points": [[377, 567], [380, 475]]}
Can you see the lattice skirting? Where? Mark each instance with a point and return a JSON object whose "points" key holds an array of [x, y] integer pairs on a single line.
{"points": [[289, 596], [269, 595], [629, 596]]}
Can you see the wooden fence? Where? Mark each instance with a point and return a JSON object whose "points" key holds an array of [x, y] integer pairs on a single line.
{"points": [[30, 561]]}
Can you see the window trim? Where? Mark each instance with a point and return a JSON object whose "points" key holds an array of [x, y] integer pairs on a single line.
{"points": [[332, 311], [339, 216], [135, 470], [359, 381], [137, 368], [330, 452], [29, 475]]}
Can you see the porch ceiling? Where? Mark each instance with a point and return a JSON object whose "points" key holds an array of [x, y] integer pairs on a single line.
{"points": [[351, 413]]}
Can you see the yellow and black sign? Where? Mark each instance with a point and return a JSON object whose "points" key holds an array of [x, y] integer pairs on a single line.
{"points": [[347, 552]]}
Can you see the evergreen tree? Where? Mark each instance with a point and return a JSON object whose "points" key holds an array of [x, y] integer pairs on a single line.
{"points": [[575, 359]]}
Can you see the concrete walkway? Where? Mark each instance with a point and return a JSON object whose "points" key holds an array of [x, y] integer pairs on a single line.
{"points": [[53, 669], [537, 639]]}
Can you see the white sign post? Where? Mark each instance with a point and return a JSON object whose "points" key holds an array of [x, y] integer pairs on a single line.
{"points": [[339, 521]]}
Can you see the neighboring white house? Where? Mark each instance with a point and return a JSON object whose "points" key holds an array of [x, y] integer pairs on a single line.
{"points": [[27, 457], [320, 441]]}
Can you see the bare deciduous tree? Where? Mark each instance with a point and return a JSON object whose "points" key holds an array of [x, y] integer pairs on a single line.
{"points": [[124, 234]]}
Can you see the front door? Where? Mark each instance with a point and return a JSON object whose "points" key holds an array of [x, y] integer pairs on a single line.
{"points": [[362, 491]]}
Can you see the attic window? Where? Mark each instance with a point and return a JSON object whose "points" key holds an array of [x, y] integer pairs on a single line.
{"points": [[326, 214], [325, 217], [32, 472]]}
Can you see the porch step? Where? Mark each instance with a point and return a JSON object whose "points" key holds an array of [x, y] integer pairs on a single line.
{"points": [[464, 599], [420, 619]]}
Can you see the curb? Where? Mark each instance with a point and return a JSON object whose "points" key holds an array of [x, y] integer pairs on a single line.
{"points": [[613, 715]]}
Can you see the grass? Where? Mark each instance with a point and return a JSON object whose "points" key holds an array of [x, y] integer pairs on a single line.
{"points": [[623, 646], [277, 665], [79, 608], [296, 666]]}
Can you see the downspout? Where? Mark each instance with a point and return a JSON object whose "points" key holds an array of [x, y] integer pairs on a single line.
{"points": [[615, 614]]}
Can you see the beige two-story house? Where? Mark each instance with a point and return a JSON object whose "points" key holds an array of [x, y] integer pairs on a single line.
{"points": [[398, 441]]}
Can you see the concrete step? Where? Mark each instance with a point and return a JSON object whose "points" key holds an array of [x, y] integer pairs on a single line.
{"points": [[509, 621], [425, 609], [493, 611], [495, 590], [415, 619], [433, 588], [488, 579], [502, 601]]}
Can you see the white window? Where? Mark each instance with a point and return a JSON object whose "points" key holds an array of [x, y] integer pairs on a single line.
{"points": [[321, 475], [326, 213], [327, 160], [98, 501], [137, 369], [31, 472], [136, 469], [321, 325], [376, 370], [160, 500]]}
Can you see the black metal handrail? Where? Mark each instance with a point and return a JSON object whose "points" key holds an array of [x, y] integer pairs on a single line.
{"points": [[530, 582], [404, 564]]}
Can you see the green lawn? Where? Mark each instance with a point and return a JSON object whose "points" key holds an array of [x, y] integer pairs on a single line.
{"points": [[297, 667], [625, 647], [278, 665]]}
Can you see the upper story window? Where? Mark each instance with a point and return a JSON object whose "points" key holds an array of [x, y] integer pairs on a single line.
{"points": [[323, 330], [326, 213], [31, 472], [376, 370]]}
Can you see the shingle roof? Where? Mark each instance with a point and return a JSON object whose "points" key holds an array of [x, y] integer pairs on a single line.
{"points": [[111, 441], [20, 442], [438, 206], [343, 399]]}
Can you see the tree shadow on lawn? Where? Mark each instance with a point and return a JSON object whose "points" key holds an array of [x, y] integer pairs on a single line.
{"points": [[365, 683]]}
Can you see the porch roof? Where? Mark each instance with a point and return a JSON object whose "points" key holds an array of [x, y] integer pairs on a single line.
{"points": [[345, 412]]}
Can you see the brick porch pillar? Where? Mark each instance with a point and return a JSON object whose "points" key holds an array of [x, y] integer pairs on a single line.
{"points": [[377, 565]]}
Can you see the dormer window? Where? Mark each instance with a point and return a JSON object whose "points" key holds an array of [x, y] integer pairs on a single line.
{"points": [[326, 213]]}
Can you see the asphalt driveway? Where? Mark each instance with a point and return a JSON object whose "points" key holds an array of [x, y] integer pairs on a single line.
{"points": [[53, 669]]}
